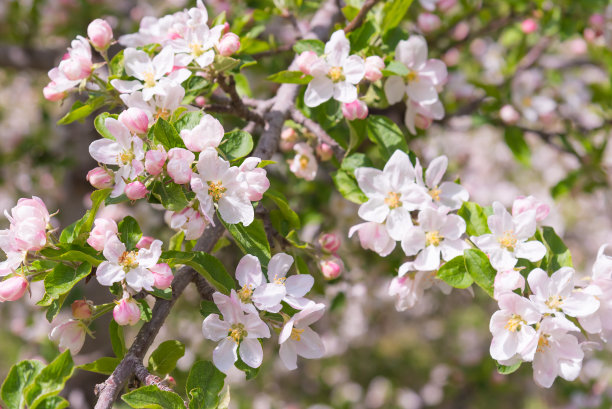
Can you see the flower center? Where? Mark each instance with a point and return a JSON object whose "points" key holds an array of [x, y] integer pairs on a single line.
{"points": [[514, 323], [433, 238], [216, 190], [279, 280], [393, 200], [304, 162], [245, 293], [296, 334], [335, 74], [527, 102], [237, 332], [149, 79], [554, 302], [162, 113], [543, 342], [435, 193], [412, 76], [196, 49], [128, 260], [508, 240], [126, 157]]}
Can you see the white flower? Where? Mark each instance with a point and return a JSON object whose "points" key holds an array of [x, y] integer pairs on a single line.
{"points": [[304, 164], [236, 329], [197, 45], [208, 133], [600, 287], [70, 335], [159, 106], [335, 73], [133, 266], [420, 114], [392, 194], [409, 287], [508, 241], [523, 96], [449, 194], [190, 221], [507, 281], [437, 234], [296, 337], [374, 236]]}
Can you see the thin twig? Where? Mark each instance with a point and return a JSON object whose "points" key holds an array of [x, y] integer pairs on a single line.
{"points": [[318, 132], [237, 105], [360, 17]]}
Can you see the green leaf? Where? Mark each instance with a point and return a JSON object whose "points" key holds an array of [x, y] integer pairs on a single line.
{"points": [[78, 231], [478, 265], [386, 135], [348, 187], [396, 68], [209, 380], [475, 219], [105, 365], [506, 370], [188, 121], [130, 232], [309, 45], [116, 65], [455, 274], [19, 377], [222, 63], [170, 195], [251, 239], [51, 402], [354, 161], [163, 360], [360, 38], [80, 110], [99, 124], [290, 77], [51, 379], [560, 255], [174, 257], [151, 397], [163, 294], [145, 310], [208, 307], [281, 201], [565, 185], [357, 132], [55, 307], [516, 142], [249, 372], [73, 252], [165, 134], [393, 12], [117, 339], [236, 144], [62, 278], [212, 270]]}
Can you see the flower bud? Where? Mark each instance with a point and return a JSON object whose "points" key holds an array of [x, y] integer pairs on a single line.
{"points": [[145, 242], [70, 335], [103, 229], [428, 22], [155, 160], [179, 165], [373, 65], [226, 27], [229, 44], [508, 114], [354, 110], [13, 288], [200, 101], [135, 119], [529, 25], [597, 21], [330, 242], [81, 309], [446, 5], [523, 204], [126, 312], [100, 34], [305, 61], [51, 93], [100, 178], [461, 31], [331, 267], [324, 151], [135, 190], [163, 275], [422, 121]]}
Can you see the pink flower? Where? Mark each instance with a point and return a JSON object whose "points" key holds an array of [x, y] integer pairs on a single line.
{"points": [[324, 151], [354, 110], [305, 61], [135, 190], [135, 119], [428, 22], [100, 178], [155, 160], [29, 220], [529, 25], [52, 93], [126, 312], [163, 275], [145, 242], [304, 164], [374, 236], [507, 281], [78, 65], [373, 66], [446, 5], [508, 114], [70, 335], [100, 34], [330, 242], [288, 139], [13, 288], [208, 133], [229, 44], [81, 309], [189, 221], [523, 204], [179, 165], [256, 179], [331, 267], [103, 229]]}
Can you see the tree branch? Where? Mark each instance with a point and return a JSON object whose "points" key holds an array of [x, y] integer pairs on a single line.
{"points": [[318, 131], [237, 104], [360, 17], [20, 58]]}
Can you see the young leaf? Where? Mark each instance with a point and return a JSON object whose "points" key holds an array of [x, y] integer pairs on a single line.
{"points": [[208, 307], [516, 142], [80, 110], [290, 77], [455, 274], [212, 270], [105, 365], [386, 135], [129, 232], [394, 11], [165, 134], [206, 377], [475, 219], [163, 360], [18, 379], [188, 121], [117, 339], [348, 187], [560, 255], [281, 201], [506, 370], [236, 144], [50, 380], [101, 126], [62, 278], [309, 45], [478, 265], [170, 195], [251, 239], [151, 397]]}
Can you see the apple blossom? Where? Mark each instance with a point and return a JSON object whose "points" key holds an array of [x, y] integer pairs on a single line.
{"points": [[355, 110], [373, 66], [508, 114], [600, 287], [508, 239], [163, 275], [447, 194], [229, 44], [136, 190], [324, 151], [529, 25], [237, 329], [428, 22], [522, 204], [145, 242], [159, 106], [81, 309], [420, 115], [507, 281], [196, 45], [135, 119], [409, 287], [104, 228], [374, 236], [100, 178], [70, 335], [126, 312], [297, 338], [78, 65], [331, 267], [531, 105], [304, 165], [179, 165], [100, 34], [288, 139], [190, 221], [306, 60], [208, 133], [155, 159], [52, 93], [330, 242], [255, 178], [445, 5], [429, 4], [13, 288], [335, 73]]}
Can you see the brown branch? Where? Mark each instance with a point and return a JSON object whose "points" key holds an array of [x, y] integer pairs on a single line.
{"points": [[360, 17], [147, 378], [237, 106], [318, 131], [20, 58]]}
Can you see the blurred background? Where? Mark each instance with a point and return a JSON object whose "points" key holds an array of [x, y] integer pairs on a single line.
{"points": [[434, 355]]}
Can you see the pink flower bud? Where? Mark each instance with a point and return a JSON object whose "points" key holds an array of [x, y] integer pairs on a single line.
{"points": [[70, 335], [446, 5], [126, 312], [103, 229], [373, 66], [428, 22], [422, 121], [145, 242], [523, 204], [508, 114], [13, 288], [577, 46], [461, 31], [200, 101], [135, 119], [331, 267], [597, 21], [229, 44], [324, 151], [81, 309], [163, 275], [100, 178], [51, 93], [330, 242], [135, 190], [451, 57], [590, 35], [100, 34], [305, 61], [529, 25], [155, 160], [179, 165], [354, 110], [226, 27]]}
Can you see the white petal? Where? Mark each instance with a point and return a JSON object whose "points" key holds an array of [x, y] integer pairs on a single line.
{"points": [[251, 352], [319, 90], [224, 355], [248, 271], [288, 355], [354, 69], [395, 89], [299, 285], [345, 92], [215, 329], [108, 273]]}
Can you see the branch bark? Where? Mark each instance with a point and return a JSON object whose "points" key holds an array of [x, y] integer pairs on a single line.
{"points": [[360, 17], [318, 131], [20, 58]]}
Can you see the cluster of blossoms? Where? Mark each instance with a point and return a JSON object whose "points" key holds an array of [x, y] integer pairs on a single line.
{"points": [[71, 333], [246, 312], [331, 264], [304, 164]]}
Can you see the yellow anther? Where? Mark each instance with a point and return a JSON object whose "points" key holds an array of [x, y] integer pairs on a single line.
{"points": [[216, 190], [196, 49], [527, 102], [296, 334], [304, 162], [280, 280], [237, 332], [128, 260], [435, 194], [554, 302], [245, 293], [508, 240], [393, 200], [149, 79], [433, 238], [412, 76], [162, 113], [335, 74], [126, 157], [514, 323], [543, 342]]}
